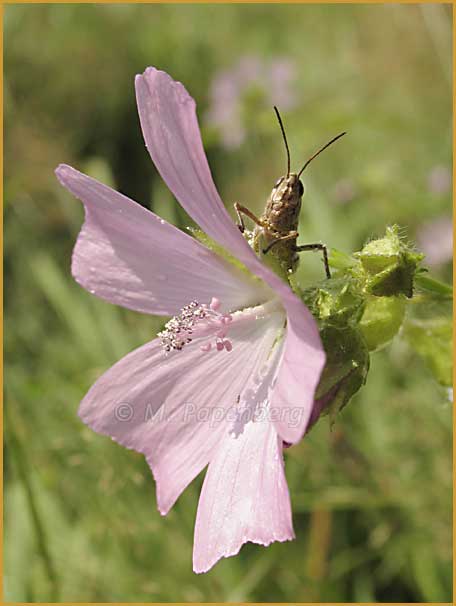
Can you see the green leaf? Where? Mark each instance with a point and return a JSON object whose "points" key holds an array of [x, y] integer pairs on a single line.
{"points": [[433, 286], [340, 260], [428, 328]]}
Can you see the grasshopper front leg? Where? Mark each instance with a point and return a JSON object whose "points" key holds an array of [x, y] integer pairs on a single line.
{"points": [[291, 235], [242, 210]]}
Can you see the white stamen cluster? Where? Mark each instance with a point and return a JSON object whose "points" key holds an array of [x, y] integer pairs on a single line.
{"points": [[179, 329]]}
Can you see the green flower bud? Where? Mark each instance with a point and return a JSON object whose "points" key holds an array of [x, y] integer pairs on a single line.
{"points": [[381, 320], [359, 310], [389, 264], [336, 302], [338, 305], [345, 372]]}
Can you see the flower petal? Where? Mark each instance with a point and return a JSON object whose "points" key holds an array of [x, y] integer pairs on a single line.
{"points": [[244, 496], [129, 256], [172, 136], [170, 128], [298, 374], [173, 408]]}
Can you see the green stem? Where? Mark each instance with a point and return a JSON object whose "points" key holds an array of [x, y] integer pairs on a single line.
{"points": [[22, 469]]}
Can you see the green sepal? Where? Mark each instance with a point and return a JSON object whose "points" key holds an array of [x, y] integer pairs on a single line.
{"points": [[382, 320]]}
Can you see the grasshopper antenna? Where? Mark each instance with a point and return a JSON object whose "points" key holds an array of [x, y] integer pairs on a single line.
{"points": [[284, 138], [319, 152]]}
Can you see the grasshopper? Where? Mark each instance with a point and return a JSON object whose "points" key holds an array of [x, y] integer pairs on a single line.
{"points": [[275, 231]]}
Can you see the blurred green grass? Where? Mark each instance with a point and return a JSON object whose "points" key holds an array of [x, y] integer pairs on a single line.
{"points": [[372, 498]]}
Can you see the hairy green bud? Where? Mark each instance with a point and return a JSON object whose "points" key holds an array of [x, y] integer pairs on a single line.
{"points": [[390, 265]]}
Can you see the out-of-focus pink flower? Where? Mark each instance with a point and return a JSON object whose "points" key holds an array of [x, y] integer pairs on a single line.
{"points": [[344, 191], [435, 239], [275, 79], [249, 70], [282, 76], [233, 374], [439, 180]]}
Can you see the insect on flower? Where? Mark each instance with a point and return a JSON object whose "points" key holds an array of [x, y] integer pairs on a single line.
{"points": [[232, 377], [276, 229]]}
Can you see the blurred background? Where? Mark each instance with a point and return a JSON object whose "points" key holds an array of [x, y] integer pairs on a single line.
{"points": [[371, 498]]}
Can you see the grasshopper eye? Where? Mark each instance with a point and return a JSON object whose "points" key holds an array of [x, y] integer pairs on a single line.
{"points": [[300, 188], [278, 182]]}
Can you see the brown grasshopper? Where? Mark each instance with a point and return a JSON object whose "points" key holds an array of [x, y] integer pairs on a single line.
{"points": [[276, 230]]}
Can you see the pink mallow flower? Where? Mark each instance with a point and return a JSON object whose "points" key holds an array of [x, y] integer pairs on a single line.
{"points": [[232, 376]]}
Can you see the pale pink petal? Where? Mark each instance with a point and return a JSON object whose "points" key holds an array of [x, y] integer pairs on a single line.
{"points": [[129, 256], [172, 408], [172, 135], [170, 128], [244, 497], [299, 373]]}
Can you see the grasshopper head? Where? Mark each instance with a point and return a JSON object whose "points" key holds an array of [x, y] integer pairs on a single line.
{"points": [[287, 187]]}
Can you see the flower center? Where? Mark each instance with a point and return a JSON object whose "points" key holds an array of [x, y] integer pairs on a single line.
{"points": [[180, 329]]}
